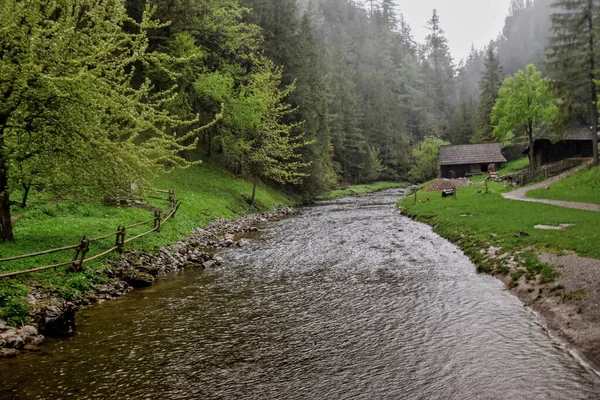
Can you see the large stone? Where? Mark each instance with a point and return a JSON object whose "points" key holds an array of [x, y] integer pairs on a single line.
{"points": [[8, 353], [26, 332], [35, 340], [54, 320], [138, 279], [14, 342], [7, 333]]}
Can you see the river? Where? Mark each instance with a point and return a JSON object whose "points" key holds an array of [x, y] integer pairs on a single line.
{"points": [[347, 300]]}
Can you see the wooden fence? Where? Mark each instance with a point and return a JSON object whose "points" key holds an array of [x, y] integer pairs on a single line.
{"points": [[547, 171], [82, 248]]}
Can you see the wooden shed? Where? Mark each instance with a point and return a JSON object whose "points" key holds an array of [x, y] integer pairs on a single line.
{"points": [[469, 159], [574, 142]]}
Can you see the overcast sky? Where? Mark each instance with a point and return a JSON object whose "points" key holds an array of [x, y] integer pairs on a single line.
{"points": [[465, 22]]}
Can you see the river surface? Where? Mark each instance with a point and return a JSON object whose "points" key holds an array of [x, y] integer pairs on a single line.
{"points": [[348, 300]]}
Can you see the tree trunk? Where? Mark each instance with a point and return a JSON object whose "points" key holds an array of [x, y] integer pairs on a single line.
{"points": [[251, 201], [26, 188], [532, 166], [209, 145], [594, 122], [6, 231]]}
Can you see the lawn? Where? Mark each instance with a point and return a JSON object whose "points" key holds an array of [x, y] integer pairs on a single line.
{"points": [[582, 186]]}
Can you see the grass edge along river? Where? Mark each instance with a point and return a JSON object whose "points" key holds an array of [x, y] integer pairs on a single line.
{"points": [[549, 269]]}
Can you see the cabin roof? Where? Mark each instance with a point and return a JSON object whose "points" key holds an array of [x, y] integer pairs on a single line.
{"points": [[482, 153]]}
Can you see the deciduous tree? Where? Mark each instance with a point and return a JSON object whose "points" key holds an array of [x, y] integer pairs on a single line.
{"points": [[525, 103]]}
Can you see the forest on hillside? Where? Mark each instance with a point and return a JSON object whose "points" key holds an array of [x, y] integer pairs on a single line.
{"points": [[306, 94]]}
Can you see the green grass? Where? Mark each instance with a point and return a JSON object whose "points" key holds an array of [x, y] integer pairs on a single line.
{"points": [[582, 186], [207, 192], [362, 189], [514, 166], [476, 221]]}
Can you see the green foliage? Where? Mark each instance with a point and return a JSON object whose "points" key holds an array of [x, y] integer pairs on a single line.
{"points": [[75, 111], [264, 147], [525, 103], [13, 304], [426, 156]]}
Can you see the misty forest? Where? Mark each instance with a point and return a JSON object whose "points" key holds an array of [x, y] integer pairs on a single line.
{"points": [[301, 94]]}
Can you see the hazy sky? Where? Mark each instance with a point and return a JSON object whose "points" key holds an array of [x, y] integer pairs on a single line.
{"points": [[465, 22]]}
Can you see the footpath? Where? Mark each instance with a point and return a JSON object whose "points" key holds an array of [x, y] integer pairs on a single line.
{"points": [[521, 194]]}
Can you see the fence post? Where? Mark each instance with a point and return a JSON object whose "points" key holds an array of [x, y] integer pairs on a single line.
{"points": [[415, 202], [157, 220], [80, 252], [171, 198], [120, 239]]}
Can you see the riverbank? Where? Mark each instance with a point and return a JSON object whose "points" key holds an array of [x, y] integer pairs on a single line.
{"points": [[46, 302], [53, 315], [354, 190], [520, 243]]}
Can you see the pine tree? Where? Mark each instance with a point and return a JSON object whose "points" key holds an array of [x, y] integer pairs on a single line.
{"points": [[440, 70], [490, 83], [574, 58]]}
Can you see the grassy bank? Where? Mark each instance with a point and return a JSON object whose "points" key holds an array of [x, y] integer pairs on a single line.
{"points": [[499, 235], [582, 186], [206, 192], [362, 189]]}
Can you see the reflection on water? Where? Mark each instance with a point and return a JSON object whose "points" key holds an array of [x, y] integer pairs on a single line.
{"points": [[348, 300]]}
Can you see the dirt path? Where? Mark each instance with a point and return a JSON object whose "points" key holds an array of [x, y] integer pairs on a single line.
{"points": [[521, 194]]}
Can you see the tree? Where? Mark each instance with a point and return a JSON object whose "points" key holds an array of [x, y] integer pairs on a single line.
{"points": [[73, 109], [440, 69], [525, 103], [489, 85], [261, 145], [573, 59], [426, 159]]}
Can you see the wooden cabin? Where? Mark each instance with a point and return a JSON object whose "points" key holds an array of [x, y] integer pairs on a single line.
{"points": [[574, 142], [470, 159]]}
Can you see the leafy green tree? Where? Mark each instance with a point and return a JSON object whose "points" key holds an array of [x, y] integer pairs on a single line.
{"points": [[426, 159], [574, 57], [526, 102], [73, 111], [263, 146]]}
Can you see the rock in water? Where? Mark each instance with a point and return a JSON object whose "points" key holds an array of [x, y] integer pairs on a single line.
{"points": [[54, 320], [138, 279]]}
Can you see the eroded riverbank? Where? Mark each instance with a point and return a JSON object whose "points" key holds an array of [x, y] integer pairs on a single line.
{"points": [[347, 300]]}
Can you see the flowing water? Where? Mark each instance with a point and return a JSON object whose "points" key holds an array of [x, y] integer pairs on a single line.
{"points": [[348, 300]]}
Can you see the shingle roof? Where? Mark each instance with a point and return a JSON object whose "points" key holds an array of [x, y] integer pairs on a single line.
{"points": [[483, 153], [569, 133]]}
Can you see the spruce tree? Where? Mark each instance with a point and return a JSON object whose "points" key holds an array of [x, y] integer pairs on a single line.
{"points": [[440, 70], [490, 83], [574, 56]]}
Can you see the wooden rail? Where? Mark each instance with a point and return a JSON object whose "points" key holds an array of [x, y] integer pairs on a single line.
{"points": [[83, 247]]}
